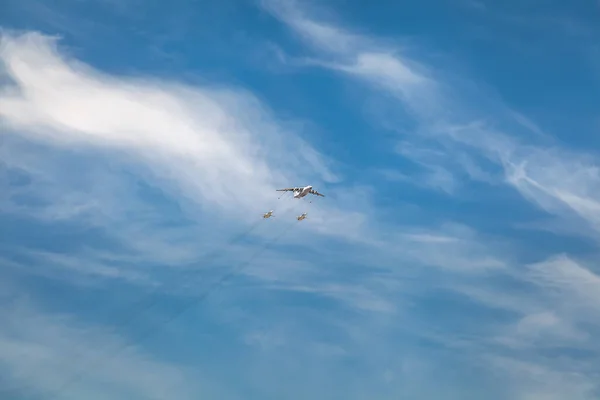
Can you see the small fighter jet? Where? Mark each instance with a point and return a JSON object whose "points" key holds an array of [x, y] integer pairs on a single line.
{"points": [[268, 214], [300, 192], [301, 217]]}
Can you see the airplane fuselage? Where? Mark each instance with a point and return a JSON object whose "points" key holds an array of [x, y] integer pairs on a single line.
{"points": [[302, 192]]}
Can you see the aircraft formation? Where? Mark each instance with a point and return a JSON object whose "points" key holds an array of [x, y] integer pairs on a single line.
{"points": [[298, 193]]}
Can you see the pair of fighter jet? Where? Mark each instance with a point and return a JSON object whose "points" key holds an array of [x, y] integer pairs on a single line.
{"points": [[298, 193]]}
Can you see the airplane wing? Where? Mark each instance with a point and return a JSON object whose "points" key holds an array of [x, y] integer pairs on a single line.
{"points": [[286, 190], [316, 193]]}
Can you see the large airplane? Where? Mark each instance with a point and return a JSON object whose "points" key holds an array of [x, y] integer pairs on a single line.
{"points": [[300, 192]]}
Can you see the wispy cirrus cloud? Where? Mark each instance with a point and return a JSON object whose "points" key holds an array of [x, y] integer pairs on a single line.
{"points": [[560, 181], [42, 352], [546, 311]]}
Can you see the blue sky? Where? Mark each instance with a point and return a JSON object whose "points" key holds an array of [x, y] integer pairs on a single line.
{"points": [[454, 256]]}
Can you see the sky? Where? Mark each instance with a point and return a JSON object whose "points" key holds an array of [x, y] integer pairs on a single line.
{"points": [[454, 255]]}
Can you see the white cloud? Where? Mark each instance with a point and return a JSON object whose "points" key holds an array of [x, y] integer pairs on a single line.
{"points": [[552, 310], [554, 299], [561, 182], [321, 35], [43, 352], [453, 247], [539, 326], [220, 145], [359, 55], [565, 278], [534, 381], [85, 267]]}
